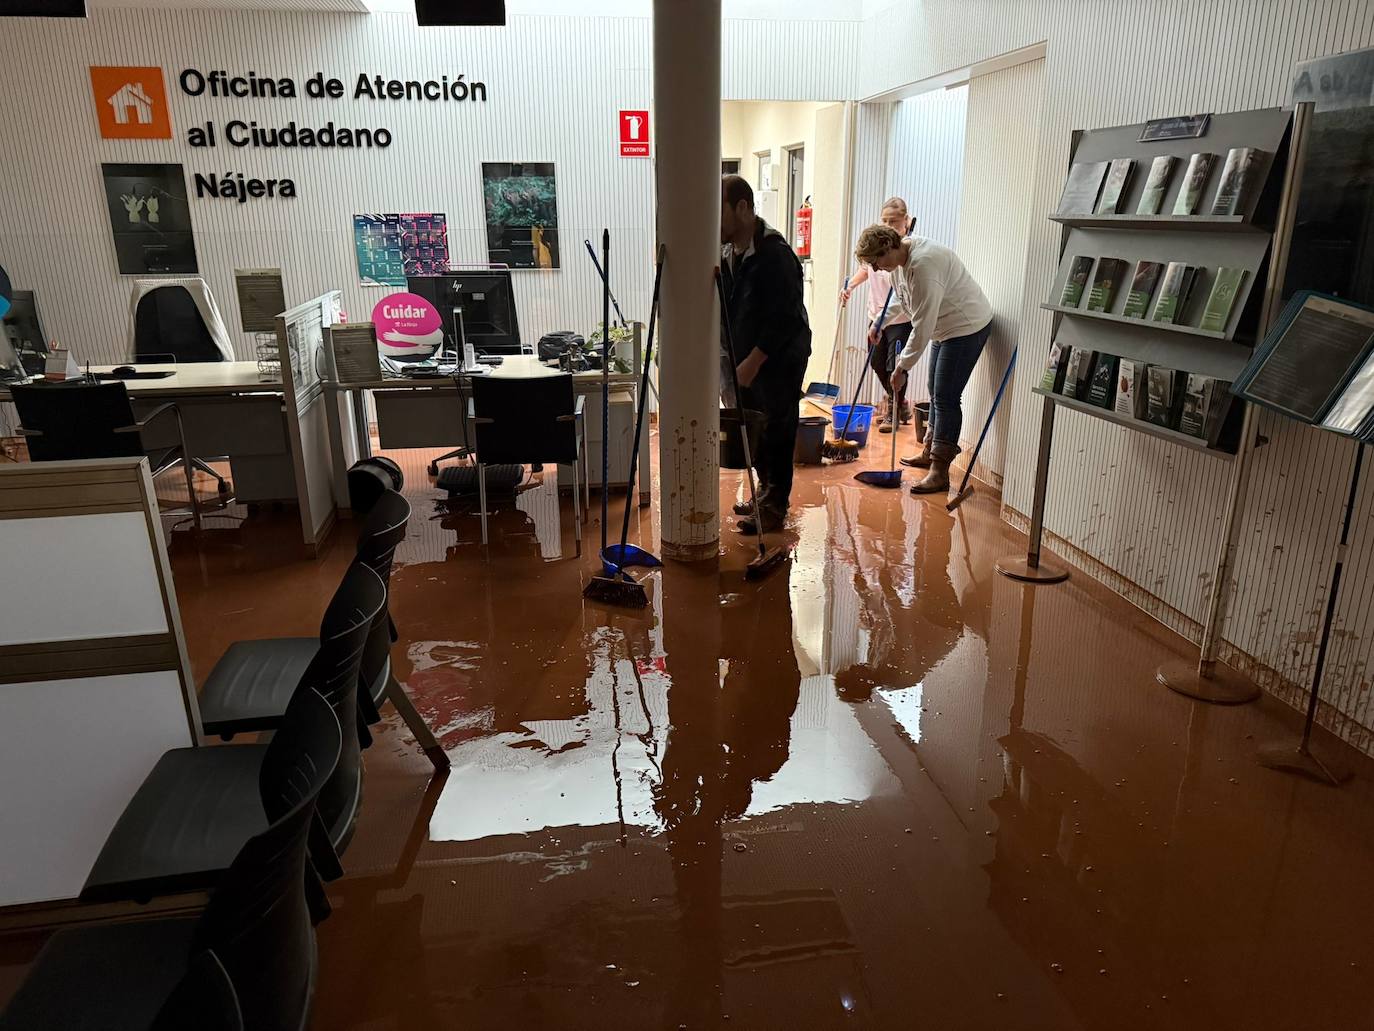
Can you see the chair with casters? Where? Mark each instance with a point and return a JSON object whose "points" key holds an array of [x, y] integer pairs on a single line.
{"points": [[197, 805], [177, 320], [250, 685], [80, 419], [525, 421], [248, 960]]}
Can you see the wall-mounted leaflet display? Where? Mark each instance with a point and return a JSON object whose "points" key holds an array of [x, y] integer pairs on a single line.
{"points": [[1317, 365]]}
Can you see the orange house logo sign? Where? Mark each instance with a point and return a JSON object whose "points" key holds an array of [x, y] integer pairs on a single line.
{"points": [[131, 103]]}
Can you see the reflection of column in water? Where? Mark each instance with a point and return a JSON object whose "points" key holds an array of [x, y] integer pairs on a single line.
{"points": [[541, 504], [841, 563]]}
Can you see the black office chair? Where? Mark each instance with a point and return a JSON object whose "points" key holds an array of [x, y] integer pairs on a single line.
{"points": [[188, 817], [65, 421], [524, 420], [169, 327], [257, 926], [252, 682]]}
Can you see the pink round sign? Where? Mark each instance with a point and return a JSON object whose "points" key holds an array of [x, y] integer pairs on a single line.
{"points": [[408, 326]]}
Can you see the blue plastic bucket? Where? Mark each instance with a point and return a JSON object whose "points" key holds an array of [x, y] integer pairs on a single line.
{"points": [[858, 426]]}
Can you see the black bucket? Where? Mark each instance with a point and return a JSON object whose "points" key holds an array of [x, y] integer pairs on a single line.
{"points": [[731, 444], [810, 439]]}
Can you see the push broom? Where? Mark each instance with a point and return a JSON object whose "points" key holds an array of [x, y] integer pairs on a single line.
{"points": [[841, 448], [768, 558], [617, 587], [965, 490]]}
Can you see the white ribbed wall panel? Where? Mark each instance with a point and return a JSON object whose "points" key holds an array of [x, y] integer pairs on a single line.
{"points": [[994, 233], [554, 87], [1142, 515], [925, 161], [769, 59]]}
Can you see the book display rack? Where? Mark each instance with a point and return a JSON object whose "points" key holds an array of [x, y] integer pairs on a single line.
{"points": [[1171, 266]]}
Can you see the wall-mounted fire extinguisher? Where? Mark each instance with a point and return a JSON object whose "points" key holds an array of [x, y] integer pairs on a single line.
{"points": [[803, 241]]}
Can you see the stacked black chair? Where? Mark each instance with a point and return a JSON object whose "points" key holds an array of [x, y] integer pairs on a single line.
{"points": [[256, 934], [250, 685], [196, 807], [66, 421]]}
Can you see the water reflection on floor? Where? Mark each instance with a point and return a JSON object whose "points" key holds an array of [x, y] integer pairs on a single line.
{"points": [[882, 788]]}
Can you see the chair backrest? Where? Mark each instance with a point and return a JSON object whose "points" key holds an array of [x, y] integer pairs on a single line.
{"points": [[529, 419], [77, 420], [257, 921], [334, 672], [204, 999], [167, 321], [382, 531]]}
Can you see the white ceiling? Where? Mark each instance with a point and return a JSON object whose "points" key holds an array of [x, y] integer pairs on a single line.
{"points": [[354, 6]]}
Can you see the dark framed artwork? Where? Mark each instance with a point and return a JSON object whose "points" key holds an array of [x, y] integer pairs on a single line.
{"points": [[150, 219], [521, 203]]}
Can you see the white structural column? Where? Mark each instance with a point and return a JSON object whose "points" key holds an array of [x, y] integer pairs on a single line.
{"points": [[687, 141]]}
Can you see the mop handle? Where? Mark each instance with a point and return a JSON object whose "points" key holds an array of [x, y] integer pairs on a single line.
{"points": [[987, 424], [618, 313], [835, 344], [739, 408], [605, 387], [643, 403], [878, 328]]}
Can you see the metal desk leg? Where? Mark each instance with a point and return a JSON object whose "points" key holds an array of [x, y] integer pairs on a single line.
{"points": [[360, 432], [398, 697], [1030, 569]]}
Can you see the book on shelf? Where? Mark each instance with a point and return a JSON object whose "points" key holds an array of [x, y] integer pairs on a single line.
{"points": [[1161, 389], [1082, 187], [1128, 382], [1102, 388], [1174, 291], [1077, 373], [1052, 379], [1105, 283], [1219, 401], [1079, 270], [1192, 418], [1142, 288], [1225, 289], [1156, 185], [1238, 178], [1194, 184], [1116, 187]]}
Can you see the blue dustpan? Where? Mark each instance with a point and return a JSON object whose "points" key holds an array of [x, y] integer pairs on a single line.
{"points": [[621, 556]]}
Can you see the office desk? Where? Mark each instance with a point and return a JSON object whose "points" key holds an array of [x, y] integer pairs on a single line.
{"points": [[228, 410], [427, 413]]}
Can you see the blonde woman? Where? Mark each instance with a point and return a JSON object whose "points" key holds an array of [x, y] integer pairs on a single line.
{"points": [[948, 310], [897, 325]]}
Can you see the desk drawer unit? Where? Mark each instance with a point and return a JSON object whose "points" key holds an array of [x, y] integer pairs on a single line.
{"points": [[249, 429]]}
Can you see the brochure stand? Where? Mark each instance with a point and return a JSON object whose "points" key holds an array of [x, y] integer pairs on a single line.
{"points": [[1317, 367], [1253, 239]]}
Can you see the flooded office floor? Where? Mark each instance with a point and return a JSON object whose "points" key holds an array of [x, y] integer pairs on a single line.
{"points": [[884, 788]]}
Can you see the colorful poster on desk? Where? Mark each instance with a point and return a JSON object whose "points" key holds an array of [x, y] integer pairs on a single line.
{"points": [[391, 247]]}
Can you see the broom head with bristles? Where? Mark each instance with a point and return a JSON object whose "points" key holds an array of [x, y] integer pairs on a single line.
{"points": [[616, 590], [842, 450]]}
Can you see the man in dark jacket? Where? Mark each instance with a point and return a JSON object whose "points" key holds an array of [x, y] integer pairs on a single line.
{"points": [[763, 285]]}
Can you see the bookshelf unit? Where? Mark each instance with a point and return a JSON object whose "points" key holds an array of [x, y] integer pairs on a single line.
{"points": [[1257, 239]]}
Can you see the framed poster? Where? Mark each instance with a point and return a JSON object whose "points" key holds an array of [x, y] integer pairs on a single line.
{"points": [[150, 219], [521, 202], [392, 247]]}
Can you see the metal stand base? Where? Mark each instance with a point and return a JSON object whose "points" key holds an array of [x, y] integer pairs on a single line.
{"points": [[1016, 567], [1224, 687], [1294, 758]]}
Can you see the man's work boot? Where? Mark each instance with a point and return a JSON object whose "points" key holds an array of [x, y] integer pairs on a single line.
{"points": [[773, 521]]}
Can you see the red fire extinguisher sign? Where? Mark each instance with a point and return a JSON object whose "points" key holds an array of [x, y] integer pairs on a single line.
{"points": [[634, 134], [803, 241]]}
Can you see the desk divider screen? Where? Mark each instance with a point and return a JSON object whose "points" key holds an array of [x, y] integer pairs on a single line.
{"points": [[301, 340], [94, 680]]}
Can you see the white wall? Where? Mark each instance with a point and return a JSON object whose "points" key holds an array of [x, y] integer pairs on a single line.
{"points": [[1141, 514], [554, 85]]}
